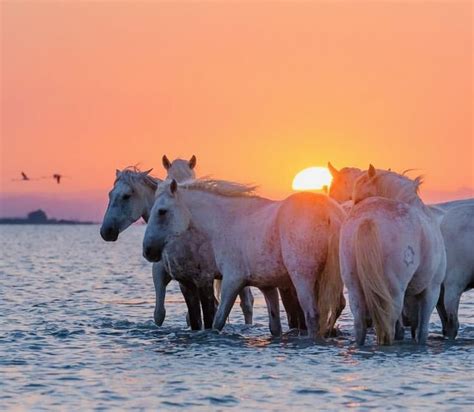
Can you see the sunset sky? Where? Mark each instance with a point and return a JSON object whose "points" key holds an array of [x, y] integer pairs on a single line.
{"points": [[257, 91]]}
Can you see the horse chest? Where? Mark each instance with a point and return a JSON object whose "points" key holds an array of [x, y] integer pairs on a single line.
{"points": [[185, 261]]}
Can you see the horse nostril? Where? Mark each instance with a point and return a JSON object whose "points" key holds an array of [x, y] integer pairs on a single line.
{"points": [[148, 251]]}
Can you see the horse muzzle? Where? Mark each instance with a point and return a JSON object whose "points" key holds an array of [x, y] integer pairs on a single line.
{"points": [[152, 254], [109, 234]]}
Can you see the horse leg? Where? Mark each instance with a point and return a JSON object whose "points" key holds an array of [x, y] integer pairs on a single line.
{"points": [[291, 305], [273, 307], [399, 329], [208, 303], [305, 290], [428, 300], [246, 303], [231, 286], [452, 297], [191, 297], [411, 314], [297, 308], [440, 308], [160, 280], [360, 314], [341, 307], [398, 306]]}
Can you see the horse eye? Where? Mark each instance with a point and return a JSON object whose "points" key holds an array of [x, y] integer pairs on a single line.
{"points": [[162, 212], [126, 197]]}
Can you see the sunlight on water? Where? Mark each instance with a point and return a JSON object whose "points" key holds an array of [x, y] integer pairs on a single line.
{"points": [[76, 332]]}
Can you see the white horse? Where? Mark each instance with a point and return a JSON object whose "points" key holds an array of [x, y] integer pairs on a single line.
{"points": [[131, 198], [258, 242], [183, 171], [179, 169], [391, 251], [458, 235], [457, 228]]}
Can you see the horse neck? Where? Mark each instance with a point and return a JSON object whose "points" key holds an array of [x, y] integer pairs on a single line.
{"points": [[148, 200]]}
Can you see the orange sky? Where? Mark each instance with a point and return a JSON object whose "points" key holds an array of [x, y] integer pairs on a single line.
{"points": [[256, 91]]}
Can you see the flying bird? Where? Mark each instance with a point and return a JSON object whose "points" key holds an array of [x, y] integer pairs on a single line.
{"points": [[56, 176], [24, 178]]}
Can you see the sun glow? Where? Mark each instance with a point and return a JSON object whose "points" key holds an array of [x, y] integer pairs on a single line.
{"points": [[312, 178]]}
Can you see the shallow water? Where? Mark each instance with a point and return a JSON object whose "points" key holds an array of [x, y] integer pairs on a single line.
{"points": [[76, 331]]}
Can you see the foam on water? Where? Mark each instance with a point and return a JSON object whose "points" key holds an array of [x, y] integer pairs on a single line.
{"points": [[76, 332]]}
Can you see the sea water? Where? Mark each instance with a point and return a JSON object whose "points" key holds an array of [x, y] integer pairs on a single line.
{"points": [[77, 333]]}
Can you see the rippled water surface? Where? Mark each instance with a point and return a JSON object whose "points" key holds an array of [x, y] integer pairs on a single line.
{"points": [[76, 332]]}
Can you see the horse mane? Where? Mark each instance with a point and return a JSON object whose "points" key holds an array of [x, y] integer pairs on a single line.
{"points": [[398, 187], [224, 188], [350, 170], [133, 176]]}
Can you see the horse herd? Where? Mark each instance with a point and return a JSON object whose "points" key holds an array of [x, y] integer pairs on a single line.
{"points": [[397, 257]]}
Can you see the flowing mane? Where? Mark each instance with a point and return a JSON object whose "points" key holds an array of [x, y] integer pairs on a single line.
{"points": [[133, 176], [398, 187], [348, 170], [219, 187]]}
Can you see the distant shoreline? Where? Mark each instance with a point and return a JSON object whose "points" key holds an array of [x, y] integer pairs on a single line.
{"points": [[39, 217], [22, 221]]}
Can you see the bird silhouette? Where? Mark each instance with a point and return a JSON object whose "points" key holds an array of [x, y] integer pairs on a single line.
{"points": [[24, 178], [56, 176]]}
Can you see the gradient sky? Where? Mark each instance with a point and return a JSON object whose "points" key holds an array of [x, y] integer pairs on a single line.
{"points": [[257, 91]]}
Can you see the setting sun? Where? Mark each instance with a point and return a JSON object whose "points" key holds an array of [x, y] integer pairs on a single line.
{"points": [[312, 178]]}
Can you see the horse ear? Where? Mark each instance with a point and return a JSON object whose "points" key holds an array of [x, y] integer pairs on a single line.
{"points": [[146, 172], [332, 170], [117, 173], [166, 162], [192, 162], [371, 172], [173, 187]]}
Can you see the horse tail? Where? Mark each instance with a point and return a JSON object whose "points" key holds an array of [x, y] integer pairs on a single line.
{"points": [[330, 286], [370, 271]]}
